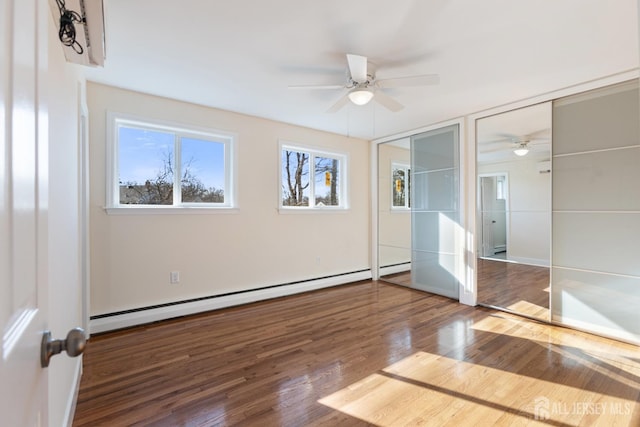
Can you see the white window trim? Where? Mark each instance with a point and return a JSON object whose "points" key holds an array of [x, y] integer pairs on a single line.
{"points": [[229, 139], [407, 168], [342, 173]]}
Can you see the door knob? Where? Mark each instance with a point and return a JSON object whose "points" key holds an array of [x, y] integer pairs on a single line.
{"points": [[74, 345]]}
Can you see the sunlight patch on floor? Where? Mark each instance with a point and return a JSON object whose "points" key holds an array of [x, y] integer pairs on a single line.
{"points": [[435, 390], [529, 309]]}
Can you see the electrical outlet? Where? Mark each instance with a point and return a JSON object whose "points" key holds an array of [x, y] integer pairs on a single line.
{"points": [[175, 277]]}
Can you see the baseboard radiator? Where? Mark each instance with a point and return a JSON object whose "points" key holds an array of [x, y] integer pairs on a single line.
{"points": [[139, 316]]}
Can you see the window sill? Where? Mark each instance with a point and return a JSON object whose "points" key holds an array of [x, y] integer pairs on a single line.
{"points": [[178, 210], [307, 211]]}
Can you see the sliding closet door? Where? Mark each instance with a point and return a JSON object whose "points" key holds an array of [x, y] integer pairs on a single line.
{"points": [[435, 216], [596, 212]]}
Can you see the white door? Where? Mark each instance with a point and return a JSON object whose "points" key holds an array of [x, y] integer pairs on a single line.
{"points": [[23, 211], [487, 208]]}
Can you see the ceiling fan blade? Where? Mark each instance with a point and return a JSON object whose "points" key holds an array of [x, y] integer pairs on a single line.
{"points": [[387, 102], [507, 141], [339, 104], [498, 149], [540, 134], [510, 136], [357, 67], [422, 80], [540, 141], [315, 87]]}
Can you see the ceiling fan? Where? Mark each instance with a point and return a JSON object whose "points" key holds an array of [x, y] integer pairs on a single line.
{"points": [[362, 86]]}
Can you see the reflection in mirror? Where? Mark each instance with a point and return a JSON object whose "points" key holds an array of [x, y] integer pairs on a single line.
{"points": [[394, 211], [514, 210]]}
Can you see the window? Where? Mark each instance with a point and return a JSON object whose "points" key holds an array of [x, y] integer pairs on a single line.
{"points": [[501, 193], [155, 165], [312, 179], [400, 186]]}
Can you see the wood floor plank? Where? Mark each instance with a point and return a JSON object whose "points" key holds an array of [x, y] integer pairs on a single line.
{"points": [[518, 287], [368, 353]]}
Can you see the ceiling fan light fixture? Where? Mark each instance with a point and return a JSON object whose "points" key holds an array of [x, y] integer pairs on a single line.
{"points": [[521, 150], [360, 96]]}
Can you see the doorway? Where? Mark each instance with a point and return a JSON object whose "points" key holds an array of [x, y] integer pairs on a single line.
{"points": [[492, 195]]}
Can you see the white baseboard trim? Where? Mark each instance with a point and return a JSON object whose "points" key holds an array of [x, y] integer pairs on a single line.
{"points": [[73, 398], [394, 269], [530, 261], [591, 328], [125, 320]]}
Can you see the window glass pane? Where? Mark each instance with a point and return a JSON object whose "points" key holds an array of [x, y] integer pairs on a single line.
{"points": [[295, 178], [326, 182], [145, 166], [500, 193], [202, 174], [399, 187]]}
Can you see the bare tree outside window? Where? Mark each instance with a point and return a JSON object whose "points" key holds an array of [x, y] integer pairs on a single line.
{"points": [[199, 159], [298, 188], [295, 178], [194, 191], [157, 190], [147, 168]]}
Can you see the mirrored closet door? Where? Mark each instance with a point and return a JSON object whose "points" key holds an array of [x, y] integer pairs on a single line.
{"points": [[514, 210], [418, 213]]}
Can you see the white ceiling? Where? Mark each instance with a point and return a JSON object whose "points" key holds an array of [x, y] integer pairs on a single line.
{"points": [[241, 55]]}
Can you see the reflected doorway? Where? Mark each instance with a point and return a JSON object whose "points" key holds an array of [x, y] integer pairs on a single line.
{"points": [[493, 207], [514, 210]]}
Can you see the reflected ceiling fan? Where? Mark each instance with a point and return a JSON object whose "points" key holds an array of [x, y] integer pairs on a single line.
{"points": [[520, 145], [362, 86]]}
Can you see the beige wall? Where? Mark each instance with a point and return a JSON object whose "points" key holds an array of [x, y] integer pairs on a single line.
{"points": [[218, 253]]}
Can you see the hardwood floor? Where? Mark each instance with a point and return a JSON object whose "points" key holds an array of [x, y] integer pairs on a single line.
{"points": [[363, 354], [519, 287]]}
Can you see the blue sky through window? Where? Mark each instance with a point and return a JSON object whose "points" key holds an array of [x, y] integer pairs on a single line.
{"points": [[143, 153], [205, 160]]}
